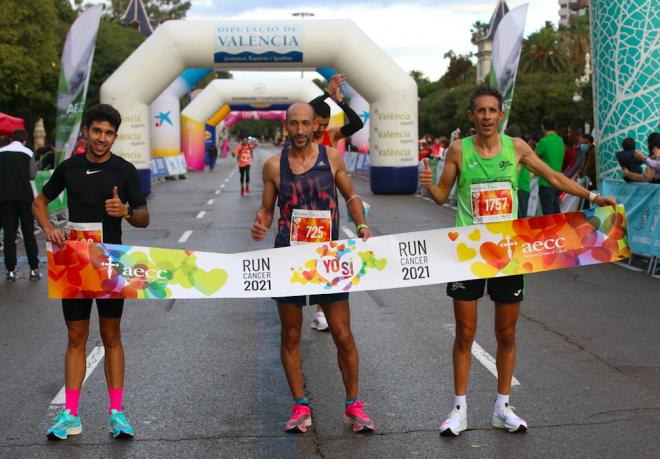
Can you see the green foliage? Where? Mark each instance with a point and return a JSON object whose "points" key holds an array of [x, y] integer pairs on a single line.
{"points": [[114, 43], [158, 10], [478, 30], [424, 85], [461, 70], [444, 110], [542, 52], [31, 38], [537, 95], [216, 75], [575, 40], [551, 60], [255, 128]]}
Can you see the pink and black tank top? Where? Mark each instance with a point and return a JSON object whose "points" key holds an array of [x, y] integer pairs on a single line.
{"points": [[311, 190]]}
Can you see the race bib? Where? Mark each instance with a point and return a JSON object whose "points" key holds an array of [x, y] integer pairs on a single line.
{"points": [[87, 232], [492, 202], [308, 226]]}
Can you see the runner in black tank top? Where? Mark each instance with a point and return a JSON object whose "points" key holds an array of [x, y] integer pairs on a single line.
{"points": [[313, 189], [304, 179]]}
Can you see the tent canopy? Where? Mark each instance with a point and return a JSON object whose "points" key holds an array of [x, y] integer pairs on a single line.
{"points": [[9, 123]]}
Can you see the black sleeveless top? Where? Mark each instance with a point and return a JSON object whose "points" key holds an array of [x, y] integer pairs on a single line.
{"points": [[311, 190]]}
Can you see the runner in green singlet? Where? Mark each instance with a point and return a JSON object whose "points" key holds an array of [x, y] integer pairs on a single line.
{"points": [[486, 167]]}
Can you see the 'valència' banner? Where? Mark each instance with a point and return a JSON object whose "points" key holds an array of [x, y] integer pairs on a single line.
{"points": [[86, 270]]}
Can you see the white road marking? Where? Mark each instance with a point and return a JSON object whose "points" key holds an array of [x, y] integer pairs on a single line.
{"points": [[217, 192], [210, 202], [184, 237], [93, 359], [227, 179], [482, 356], [222, 186], [201, 214], [349, 233]]}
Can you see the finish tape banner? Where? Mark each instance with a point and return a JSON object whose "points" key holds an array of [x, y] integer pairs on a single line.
{"points": [[87, 270]]}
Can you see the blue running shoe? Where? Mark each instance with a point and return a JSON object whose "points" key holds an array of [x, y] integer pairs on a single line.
{"points": [[65, 424], [119, 425]]}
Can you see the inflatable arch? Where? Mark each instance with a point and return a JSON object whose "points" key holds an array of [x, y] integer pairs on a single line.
{"points": [[220, 93], [267, 45]]}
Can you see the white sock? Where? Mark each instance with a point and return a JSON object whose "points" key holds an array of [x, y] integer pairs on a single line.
{"points": [[501, 402], [460, 403]]}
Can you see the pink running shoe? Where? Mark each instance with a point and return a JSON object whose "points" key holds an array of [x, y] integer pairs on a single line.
{"points": [[300, 420], [354, 414]]}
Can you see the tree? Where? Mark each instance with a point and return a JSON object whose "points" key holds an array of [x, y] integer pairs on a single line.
{"points": [[424, 85], [575, 39], [461, 69], [255, 128], [31, 40], [538, 94], [542, 52], [114, 43], [158, 10], [478, 30], [215, 75]]}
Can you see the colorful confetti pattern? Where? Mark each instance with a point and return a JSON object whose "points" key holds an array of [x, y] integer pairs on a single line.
{"points": [[351, 266], [81, 270]]}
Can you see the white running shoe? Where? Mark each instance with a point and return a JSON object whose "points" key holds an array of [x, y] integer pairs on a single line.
{"points": [[507, 419], [455, 423], [319, 323]]}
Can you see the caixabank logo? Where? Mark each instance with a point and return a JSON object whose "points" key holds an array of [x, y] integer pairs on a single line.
{"points": [[337, 266]]}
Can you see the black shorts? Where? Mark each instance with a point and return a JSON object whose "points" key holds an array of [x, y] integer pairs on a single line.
{"points": [[509, 289], [81, 309], [313, 299]]}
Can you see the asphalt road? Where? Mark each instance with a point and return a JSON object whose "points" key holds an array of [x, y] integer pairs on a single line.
{"points": [[203, 377]]}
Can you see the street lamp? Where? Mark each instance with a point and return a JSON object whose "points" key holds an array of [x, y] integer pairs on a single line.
{"points": [[302, 15]]}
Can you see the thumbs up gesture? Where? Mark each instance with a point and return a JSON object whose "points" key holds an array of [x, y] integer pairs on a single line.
{"points": [[426, 175], [259, 228], [114, 207]]}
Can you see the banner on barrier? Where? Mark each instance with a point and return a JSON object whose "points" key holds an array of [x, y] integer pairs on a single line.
{"points": [[57, 204], [84, 270], [642, 203]]}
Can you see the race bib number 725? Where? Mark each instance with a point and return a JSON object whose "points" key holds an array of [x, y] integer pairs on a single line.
{"points": [[309, 226]]}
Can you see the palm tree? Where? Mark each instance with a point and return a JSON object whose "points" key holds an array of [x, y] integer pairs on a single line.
{"points": [[576, 40], [542, 52]]}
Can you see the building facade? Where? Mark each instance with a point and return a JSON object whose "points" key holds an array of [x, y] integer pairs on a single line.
{"points": [[568, 8]]}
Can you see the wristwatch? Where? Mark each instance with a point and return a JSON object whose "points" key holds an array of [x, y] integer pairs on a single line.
{"points": [[129, 214]]}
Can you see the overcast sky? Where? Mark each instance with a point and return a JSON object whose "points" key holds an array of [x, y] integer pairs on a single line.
{"points": [[416, 34]]}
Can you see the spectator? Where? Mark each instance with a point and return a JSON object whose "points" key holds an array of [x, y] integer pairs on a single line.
{"points": [[436, 150], [444, 144], [212, 151], [4, 141], [551, 151], [652, 172], [524, 177], [580, 155], [589, 167], [571, 138], [17, 168], [45, 158], [629, 159], [424, 150]]}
